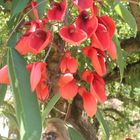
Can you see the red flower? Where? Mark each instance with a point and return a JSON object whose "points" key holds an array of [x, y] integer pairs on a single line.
{"points": [[89, 102], [38, 79], [68, 64], [4, 78], [97, 58], [97, 85], [82, 4], [72, 35], [87, 23], [58, 11], [108, 23], [33, 42], [67, 86], [101, 38]]}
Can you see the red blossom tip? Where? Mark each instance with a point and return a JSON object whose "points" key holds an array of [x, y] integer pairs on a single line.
{"points": [[89, 102], [67, 86], [68, 64]]}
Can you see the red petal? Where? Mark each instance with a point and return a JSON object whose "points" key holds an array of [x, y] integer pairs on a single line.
{"points": [[35, 75], [112, 51], [82, 4], [4, 78], [72, 35], [65, 79], [109, 23], [22, 44], [58, 12], [34, 4], [101, 39], [39, 40], [89, 102], [69, 90], [84, 22], [97, 59], [63, 65], [42, 92], [94, 9], [87, 76], [97, 88], [72, 65]]}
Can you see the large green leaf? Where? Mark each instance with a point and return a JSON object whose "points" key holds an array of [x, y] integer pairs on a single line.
{"points": [[18, 6], [121, 58], [50, 106], [41, 7], [74, 134], [3, 89], [27, 108], [103, 123], [125, 14]]}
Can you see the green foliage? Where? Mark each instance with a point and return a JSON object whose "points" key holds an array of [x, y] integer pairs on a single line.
{"points": [[125, 14], [27, 109], [18, 6]]}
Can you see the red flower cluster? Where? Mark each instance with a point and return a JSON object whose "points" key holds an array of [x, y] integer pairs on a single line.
{"points": [[87, 25]]}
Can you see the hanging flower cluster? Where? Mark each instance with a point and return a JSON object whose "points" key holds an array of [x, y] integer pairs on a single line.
{"points": [[88, 25]]}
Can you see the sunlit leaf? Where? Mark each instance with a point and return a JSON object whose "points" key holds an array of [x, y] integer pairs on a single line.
{"points": [[103, 123], [50, 106], [121, 58], [125, 14]]}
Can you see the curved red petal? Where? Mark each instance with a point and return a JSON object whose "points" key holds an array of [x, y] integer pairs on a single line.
{"points": [[69, 90], [109, 23], [90, 104], [82, 4], [86, 50], [101, 39], [4, 78], [63, 64], [97, 88], [42, 93], [72, 35], [72, 65], [112, 51], [58, 12], [39, 40], [34, 4], [87, 76], [22, 44], [65, 79], [94, 9], [35, 75], [86, 23], [97, 61]]}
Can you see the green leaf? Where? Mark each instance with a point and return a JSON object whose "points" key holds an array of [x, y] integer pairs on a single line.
{"points": [[103, 123], [41, 7], [74, 134], [18, 6], [125, 14], [50, 106], [3, 89], [27, 108], [121, 58]]}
